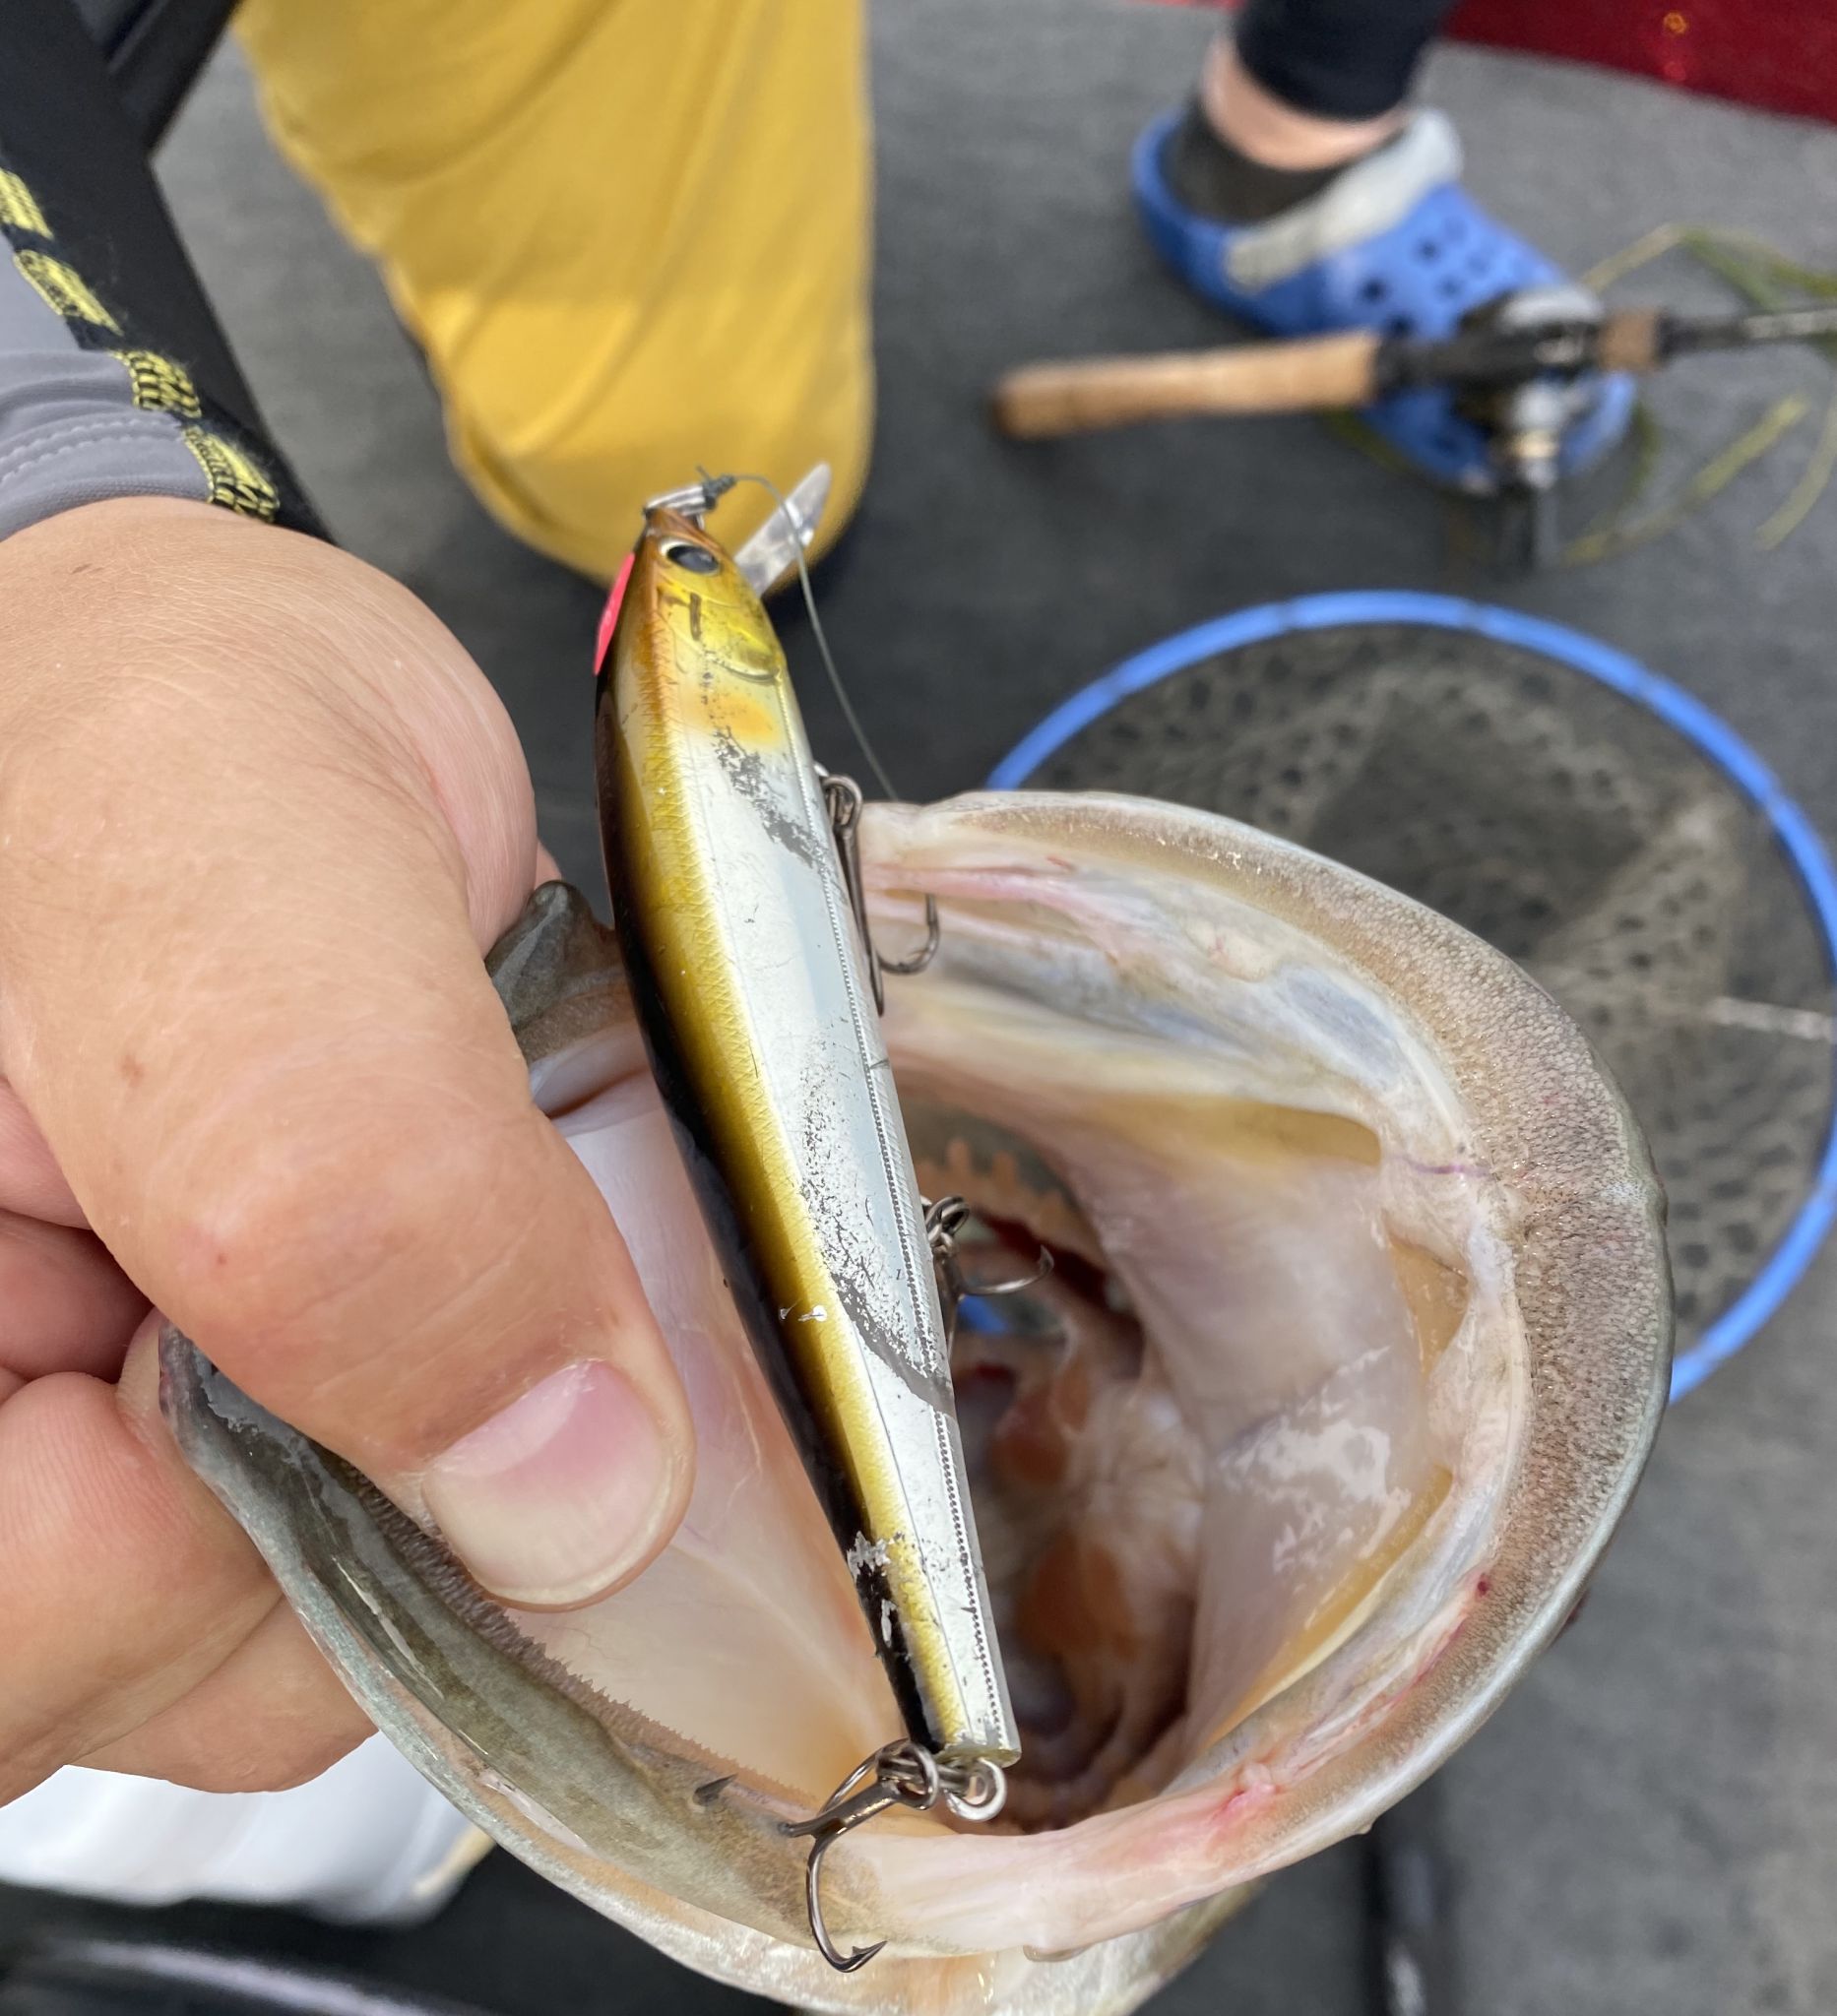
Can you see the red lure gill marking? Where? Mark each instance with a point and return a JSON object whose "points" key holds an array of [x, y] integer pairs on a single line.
{"points": [[608, 616]]}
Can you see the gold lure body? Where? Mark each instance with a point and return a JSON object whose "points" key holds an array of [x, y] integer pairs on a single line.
{"points": [[754, 993]]}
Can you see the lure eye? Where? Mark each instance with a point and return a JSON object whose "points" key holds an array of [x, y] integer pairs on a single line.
{"points": [[695, 559]]}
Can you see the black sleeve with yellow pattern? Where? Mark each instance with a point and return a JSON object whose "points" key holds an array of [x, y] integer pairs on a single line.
{"points": [[115, 378]]}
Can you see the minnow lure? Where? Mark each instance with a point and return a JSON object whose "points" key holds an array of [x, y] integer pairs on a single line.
{"points": [[756, 990]]}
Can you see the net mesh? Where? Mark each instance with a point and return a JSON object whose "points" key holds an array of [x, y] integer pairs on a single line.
{"points": [[1575, 831]]}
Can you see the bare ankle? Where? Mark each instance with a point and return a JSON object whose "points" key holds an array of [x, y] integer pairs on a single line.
{"points": [[1251, 119]]}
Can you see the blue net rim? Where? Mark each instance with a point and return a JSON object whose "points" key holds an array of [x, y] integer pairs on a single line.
{"points": [[1783, 1267]]}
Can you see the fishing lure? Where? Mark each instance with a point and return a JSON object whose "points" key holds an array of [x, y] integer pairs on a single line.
{"points": [[739, 907]]}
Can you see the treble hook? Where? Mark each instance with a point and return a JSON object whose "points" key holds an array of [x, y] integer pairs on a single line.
{"points": [[944, 1221], [843, 1963], [901, 1773], [842, 798], [865, 1791]]}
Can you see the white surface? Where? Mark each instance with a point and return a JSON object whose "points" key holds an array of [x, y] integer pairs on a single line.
{"points": [[368, 1840]]}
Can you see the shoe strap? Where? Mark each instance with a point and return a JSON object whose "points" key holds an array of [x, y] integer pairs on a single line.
{"points": [[1371, 197]]}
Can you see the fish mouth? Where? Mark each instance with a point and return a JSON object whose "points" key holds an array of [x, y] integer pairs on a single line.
{"points": [[1093, 1574], [1090, 1485], [1203, 1445], [1238, 1461], [1353, 1351]]}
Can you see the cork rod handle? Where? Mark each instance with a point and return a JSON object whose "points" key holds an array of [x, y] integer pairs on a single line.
{"points": [[1040, 400]]}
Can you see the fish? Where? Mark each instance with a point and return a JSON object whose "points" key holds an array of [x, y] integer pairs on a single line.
{"points": [[1356, 1346], [759, 1005]]}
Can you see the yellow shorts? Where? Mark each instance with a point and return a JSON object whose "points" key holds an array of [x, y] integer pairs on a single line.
{"points": [[632, 236]]}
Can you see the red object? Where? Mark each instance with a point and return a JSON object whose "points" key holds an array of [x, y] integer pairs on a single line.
{"points": [[1779, 54], [608, 616]]}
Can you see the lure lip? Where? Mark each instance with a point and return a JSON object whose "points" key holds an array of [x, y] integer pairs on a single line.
{"points": [[773, 550]]}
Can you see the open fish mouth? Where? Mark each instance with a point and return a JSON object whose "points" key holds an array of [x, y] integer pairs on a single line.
{"points": [[1089, 1483], [1089, 1480], [1354, 1345]]}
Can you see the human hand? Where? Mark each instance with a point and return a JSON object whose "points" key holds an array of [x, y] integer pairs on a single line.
{"points": [[260, 818]]}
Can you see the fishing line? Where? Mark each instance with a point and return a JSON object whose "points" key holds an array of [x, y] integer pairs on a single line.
{"points": [[719, 487]]}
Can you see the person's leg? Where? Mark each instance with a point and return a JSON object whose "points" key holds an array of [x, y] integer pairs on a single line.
{"points": [[1301, 88], [1336, 60], [1298, 191], [630, 238]]}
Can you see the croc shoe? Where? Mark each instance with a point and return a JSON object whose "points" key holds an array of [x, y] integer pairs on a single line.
{"points": [[1393, 244]]}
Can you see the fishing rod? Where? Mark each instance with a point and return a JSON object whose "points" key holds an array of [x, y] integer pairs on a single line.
{"points": [[1518, 368], [1319, 373]]}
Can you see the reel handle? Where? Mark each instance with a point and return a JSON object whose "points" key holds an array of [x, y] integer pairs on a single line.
{"points": [[1039, 401]]}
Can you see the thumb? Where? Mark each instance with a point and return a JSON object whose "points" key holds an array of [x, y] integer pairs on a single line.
{"points": [[243, 909]]}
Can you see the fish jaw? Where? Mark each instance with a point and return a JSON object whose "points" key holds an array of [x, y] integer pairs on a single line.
{"points": [[1171, 942]]}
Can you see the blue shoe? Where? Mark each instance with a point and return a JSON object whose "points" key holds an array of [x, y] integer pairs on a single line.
{"points": [[1393, 244]]}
